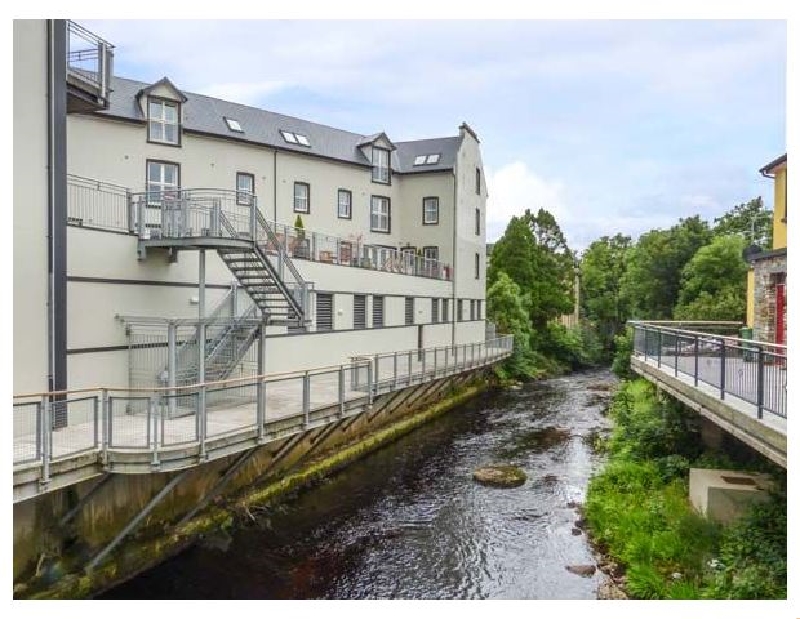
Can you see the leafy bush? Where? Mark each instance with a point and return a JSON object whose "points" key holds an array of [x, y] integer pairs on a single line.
{"points": [[638, 510], [623, 349]]}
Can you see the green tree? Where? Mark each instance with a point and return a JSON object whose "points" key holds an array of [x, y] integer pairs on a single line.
{"points": [[551, 293], [751, 220], [505, 307], [652, 278], [714, 283], [602, 267]]}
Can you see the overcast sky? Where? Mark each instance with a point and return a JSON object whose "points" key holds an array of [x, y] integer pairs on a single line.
{"points": [[612, 126]]}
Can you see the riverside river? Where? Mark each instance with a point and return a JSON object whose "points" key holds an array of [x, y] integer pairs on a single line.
{"points": [[409, 522]]}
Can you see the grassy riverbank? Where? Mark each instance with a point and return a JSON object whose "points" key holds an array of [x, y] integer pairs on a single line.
{"points": [[639, 514]]}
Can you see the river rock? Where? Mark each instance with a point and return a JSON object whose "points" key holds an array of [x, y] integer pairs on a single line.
{"points": [[501, 475], [580, 523], [574, 505], [607, 590], [582, 570], [576, 531]]}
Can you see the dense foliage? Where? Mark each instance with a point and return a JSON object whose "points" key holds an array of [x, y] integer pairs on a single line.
{"points": [[714, 283], [639, 513], [530, 284]]}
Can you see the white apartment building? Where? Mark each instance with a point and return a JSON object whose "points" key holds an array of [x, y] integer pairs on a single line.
{"points": [[145, 216]]}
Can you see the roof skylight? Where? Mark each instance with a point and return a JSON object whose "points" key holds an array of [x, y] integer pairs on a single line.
{"points": [[233, 124], [427, 159], [295, 138]]}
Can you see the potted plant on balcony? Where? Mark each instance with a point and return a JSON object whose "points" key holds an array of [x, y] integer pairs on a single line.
{"points": [[300, 249]]}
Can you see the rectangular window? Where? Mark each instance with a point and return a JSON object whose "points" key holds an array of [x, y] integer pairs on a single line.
{"points": [[480, 309], [430, 252], [434, 310], [472, 309], [163, 181], [477, 222], [445, 310], [380, 215], [380, 165], [245, 188], [478, 181], [460, 312], [430, 211], [409, 310], [477, 266], [324, 311], [302, 198], [377, 311], [163, 121], [344, 204], [359, 311]]}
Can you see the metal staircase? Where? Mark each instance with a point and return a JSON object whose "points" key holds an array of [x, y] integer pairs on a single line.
{"points": [[230, 223], [228, 339]]}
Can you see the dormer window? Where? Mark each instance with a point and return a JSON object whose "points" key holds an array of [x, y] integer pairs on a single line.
{"points": [[163, 121], [291, 137], [380, 165], [427, 159], [233, 125]]}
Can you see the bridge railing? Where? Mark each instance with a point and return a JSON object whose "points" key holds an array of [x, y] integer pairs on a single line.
{"points": [[750, 370], [54, 426]]}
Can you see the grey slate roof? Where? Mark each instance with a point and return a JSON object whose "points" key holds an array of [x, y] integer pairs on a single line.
{"points": [[205, 114]]}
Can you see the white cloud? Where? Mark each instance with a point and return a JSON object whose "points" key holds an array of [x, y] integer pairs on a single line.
{"points": [[514, 188]]}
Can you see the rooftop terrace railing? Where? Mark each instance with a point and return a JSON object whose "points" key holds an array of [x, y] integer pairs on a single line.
{"points": [[107, 419], [89, 60], [749, 370]]}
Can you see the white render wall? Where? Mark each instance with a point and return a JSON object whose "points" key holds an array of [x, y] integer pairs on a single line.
{"points": [[117, 151], [30, 206], [105, 278]]}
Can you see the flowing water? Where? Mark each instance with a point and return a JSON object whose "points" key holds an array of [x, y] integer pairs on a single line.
{"points": [[409, 522]]}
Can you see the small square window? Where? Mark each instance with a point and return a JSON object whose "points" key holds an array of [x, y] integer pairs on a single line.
{"points": [[301, 139], [432, 159], [420, 159], [289, 137], [233, 125]]}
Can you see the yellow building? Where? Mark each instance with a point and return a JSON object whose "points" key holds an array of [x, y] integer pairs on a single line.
{"points": [[766, 279]]}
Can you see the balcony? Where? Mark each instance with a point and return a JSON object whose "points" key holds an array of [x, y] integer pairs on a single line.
{"points": [[89, 70]]}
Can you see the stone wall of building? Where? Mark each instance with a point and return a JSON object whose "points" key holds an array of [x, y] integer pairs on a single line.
{"points": [[768, 272]]}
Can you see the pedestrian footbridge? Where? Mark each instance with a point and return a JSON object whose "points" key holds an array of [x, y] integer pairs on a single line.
{"points": [[737, 384]]}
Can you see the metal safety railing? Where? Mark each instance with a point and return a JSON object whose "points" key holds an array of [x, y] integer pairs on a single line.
{"points": [[750, 370], [59, 425], [96, 204], [331, 249], [89, 60]]}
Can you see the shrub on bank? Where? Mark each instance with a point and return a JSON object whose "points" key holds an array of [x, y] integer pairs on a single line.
{"points": [[639, 513]]}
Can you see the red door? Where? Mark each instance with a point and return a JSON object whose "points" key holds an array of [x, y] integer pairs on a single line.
{"points": [[780, 314]]}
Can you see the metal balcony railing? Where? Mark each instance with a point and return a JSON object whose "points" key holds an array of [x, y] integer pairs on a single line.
{"points": [[353, 252], [96, 204], [752, 371], [105, 419], [89, 63]]}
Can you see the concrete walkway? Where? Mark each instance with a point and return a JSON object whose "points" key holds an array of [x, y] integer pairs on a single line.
{"points": [[229, 410]]}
